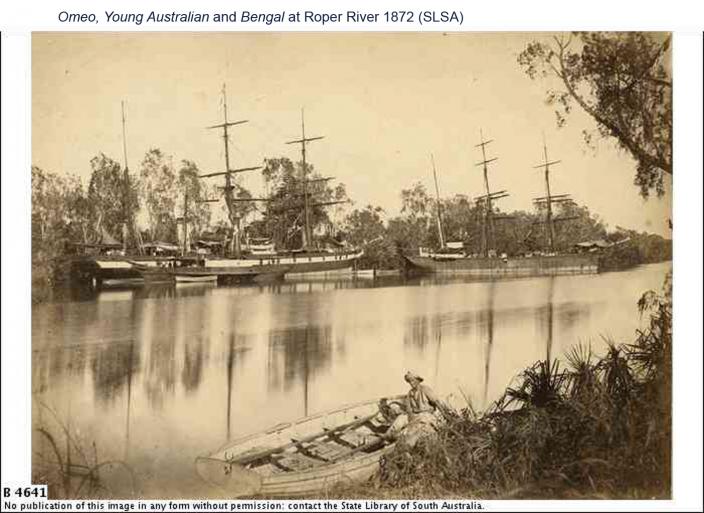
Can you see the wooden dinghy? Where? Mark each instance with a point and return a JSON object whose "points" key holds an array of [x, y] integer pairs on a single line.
{"points": [[186, 278], [303, 458]]}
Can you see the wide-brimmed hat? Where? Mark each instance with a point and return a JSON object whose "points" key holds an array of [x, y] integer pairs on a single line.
{"points": [[410, 375]]}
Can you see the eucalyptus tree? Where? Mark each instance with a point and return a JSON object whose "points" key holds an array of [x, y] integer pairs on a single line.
{"points": [[623, 81]]}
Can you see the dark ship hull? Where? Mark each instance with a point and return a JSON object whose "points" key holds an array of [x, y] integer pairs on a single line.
{"points": [[123, 270], [102, 270], [505, 267]]}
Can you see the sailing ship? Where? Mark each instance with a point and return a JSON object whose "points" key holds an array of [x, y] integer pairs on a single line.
{"points": [[455, 258], [107, 262], [260, 257]]}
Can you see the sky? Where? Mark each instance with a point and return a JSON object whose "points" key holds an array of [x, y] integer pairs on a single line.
{"points": [[383, 101]]}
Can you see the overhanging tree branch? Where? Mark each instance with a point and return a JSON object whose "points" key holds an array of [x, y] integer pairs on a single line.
{"points": [[617, 131]]}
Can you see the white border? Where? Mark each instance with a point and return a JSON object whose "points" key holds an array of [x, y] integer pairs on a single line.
{"points": [[16, 256]]}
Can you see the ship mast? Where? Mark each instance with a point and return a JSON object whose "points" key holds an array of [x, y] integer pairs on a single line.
{"points": [[185, 221], [230, 200], [439, 212], [486, 200], [548, 200], [307, 233], [127, 214]]}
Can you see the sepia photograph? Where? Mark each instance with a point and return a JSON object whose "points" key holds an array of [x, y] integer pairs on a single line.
{"points": [[352, 265]]}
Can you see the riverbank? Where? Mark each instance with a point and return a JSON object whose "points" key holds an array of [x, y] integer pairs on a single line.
{"points": [[598, 429]]}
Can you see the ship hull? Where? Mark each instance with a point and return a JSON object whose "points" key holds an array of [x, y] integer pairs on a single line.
{"points": [[115, 270], [118, 270], [289, 264], [511, 267]]}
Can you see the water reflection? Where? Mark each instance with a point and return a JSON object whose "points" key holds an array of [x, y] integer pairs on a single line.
{"points": [[236, 354], [160, 290], [130, 366], [549, 310], [160, 377], [187, 367], [112, 367], [296, 356], [417, 333], [193, 359], [489, 337], [438, 344]]}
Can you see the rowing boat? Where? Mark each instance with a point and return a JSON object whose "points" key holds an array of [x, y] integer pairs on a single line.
{"points": [[303, 458], [194, 279]]}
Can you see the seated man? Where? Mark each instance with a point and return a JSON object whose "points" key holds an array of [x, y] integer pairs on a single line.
{"points": [[422, 412]]}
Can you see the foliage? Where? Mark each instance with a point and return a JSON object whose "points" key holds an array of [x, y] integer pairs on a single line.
{"points": [[514, 233], [541, 385], [71, 467], [580, 225], [416, 203], [284, 218], [622, 80], [158, 192], [652, 247], [60, 209], [61, 214], [461, 220], [109, 197], [365, 228], [599, 429], [634, 248], [191, 188]]}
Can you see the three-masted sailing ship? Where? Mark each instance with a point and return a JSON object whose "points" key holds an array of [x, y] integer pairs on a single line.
{"points": [[456, 258], [259, 257]]}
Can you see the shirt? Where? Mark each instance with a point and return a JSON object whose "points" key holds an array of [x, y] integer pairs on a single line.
{"points": [[422, 399]]}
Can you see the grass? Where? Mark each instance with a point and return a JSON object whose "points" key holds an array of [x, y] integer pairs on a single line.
{"points": [[71, 467], [599, 428]]}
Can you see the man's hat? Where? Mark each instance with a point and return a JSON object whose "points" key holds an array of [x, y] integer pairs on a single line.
{"points": [[412, 376]]}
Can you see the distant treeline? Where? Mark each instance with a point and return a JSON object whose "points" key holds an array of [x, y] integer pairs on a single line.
{"points": [[641, 248], [513, 233], [65, 212]]}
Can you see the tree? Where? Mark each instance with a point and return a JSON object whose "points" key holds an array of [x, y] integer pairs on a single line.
{"points": [[110, 198], [60, 216], [411, 229], [45, 203], [519, 234], [192, 189], [284, 216], [581, 226], [622, 80], [462, 220], [77, 211], [365, 228], [416, 203], [159, 195], [60, 209]]}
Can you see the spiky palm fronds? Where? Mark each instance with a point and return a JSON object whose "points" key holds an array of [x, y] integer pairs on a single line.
{"points": [[599, 429], [617, 378], [583, 376], [542, 385]]}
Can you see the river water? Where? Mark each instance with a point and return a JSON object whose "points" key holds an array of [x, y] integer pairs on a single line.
{"points": [[156, 376]]}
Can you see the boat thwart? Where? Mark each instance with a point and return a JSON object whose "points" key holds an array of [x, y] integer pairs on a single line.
{"points": [[303, 458]]}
